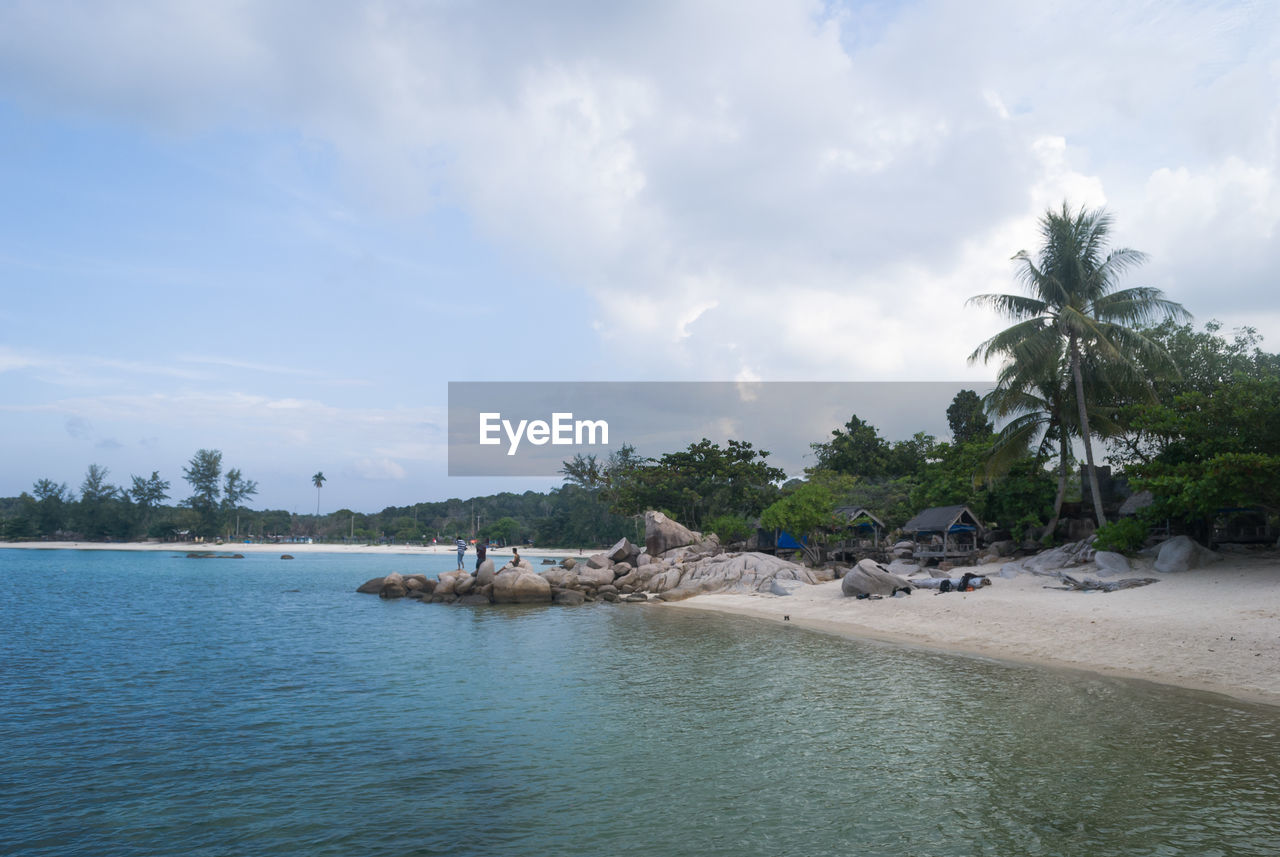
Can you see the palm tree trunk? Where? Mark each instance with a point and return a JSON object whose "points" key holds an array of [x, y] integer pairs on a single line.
{"points": [[1085, 434], [1062, 487]]}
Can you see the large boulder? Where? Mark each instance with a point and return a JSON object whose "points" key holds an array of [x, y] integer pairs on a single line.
{"points": [[599, 561], [448, 582], [662, 534], [1111, 564], [521, 586], [1181, 553], [568, 597], [786, 587], [561, 578], [739, 572], [569, 563], [485, 573], [871, 578], [623, 551], [372, 586], [393, 586], [590, 576]]}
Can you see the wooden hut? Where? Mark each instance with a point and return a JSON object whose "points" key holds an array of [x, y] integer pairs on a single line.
{"points": [[867, 529], [945, 533]]}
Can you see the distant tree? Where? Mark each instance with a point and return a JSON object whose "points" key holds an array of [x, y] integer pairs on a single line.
{"points": [[318, 480], [855, 450], [94, 510], [236, 490], [52, 499], [966, 417], [147, 494], [203, 472]]}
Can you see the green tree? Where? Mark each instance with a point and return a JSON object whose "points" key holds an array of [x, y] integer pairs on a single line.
{"points": [[966, 418], [96, 495], [52, 499], [1074, 307], [235, 490], [855, 450], [808, 513], [318, 480], [203, 473], [147, 494]]}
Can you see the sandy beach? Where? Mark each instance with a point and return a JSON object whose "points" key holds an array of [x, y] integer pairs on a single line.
{"points": [[1213, 629]]}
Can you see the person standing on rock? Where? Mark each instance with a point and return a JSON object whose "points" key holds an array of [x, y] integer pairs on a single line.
{"points": [[462, 549], [481, 550]]}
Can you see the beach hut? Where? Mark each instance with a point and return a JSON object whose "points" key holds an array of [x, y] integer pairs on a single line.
{"points": [[867, 528], [944, 533]]}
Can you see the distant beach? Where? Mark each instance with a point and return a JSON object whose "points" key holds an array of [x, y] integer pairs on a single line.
{"points": [[292, 548]]}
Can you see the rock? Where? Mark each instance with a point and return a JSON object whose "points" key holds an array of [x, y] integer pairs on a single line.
{"points": [[485, 573], [372, 586], [612, 597], [785, 587], [1180, 553], [636, 598], [740, 572], [623, 551], [520, 586], [676, 595], [473, 599], [448, 581], [871, 578], [393, 587], [665, 581], [548, 562], [825, 574], [286, 556], [590, 576], [412, 583], [902, 568], [561, 578], [642, 560], [1066, 556], [568, 597], [662, 534], [599, 561], [1111, 564], [607, 589], [1005, 547], [569, 563], [464, 585]]}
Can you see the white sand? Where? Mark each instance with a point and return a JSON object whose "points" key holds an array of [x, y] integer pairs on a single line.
{"points": [[1214, 629], [293, 548]]}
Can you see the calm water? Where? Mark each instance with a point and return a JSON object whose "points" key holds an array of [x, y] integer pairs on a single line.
{"points": [[158, 705]]}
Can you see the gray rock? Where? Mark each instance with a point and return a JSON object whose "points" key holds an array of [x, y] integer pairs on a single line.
{"points": [[871, 578], [636, 598], [371, 586], [1006, 547], [521, 586], [464, 585], [662, 534], [561, 578], [1180, 553], [485, 573], [642, 560], [786, 587], [599, 561], [569, 563], [623, 551], [449, 580], [473, 599], [568, 597], [1111, 564], [594, 576], [548, 562]]}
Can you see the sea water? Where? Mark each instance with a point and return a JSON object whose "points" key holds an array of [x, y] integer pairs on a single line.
{"points": [[154, 705]]}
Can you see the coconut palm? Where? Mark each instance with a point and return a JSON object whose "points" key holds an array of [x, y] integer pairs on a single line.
{"points": [[318, 481], [1074, 311]]}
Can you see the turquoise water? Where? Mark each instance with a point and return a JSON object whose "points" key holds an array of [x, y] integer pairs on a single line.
{"points": [[158, 705]]}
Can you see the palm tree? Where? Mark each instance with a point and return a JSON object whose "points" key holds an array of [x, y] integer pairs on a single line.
{"points": [[1074, 310], [318, 481]]}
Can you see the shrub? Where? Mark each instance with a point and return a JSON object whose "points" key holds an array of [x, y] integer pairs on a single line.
{"points": [[1124, 536]]}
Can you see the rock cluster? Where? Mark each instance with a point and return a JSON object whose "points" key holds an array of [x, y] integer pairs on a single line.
{"points": [[687, 565]]}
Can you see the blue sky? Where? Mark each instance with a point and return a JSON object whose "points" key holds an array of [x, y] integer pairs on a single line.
{"points": [[280, 229]]}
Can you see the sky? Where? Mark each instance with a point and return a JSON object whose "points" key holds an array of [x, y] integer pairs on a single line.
{"points": [[280, 229]]}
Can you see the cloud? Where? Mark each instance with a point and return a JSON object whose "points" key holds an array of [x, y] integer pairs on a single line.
{"points": [[78, 427]]}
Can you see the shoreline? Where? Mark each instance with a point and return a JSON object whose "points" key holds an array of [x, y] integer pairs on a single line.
{"points": [[1211, 630], [1214, 629], [293, 548]]}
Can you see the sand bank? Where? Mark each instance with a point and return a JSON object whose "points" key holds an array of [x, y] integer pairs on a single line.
{"points": [[294, 548], [1215, 629]]}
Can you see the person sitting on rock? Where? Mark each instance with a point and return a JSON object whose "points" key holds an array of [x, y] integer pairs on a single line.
{"points": [[481, 550]]}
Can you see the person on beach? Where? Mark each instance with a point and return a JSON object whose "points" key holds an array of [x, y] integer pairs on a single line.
{"points": [[481, 550], [515, 556], [462, 549]]}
